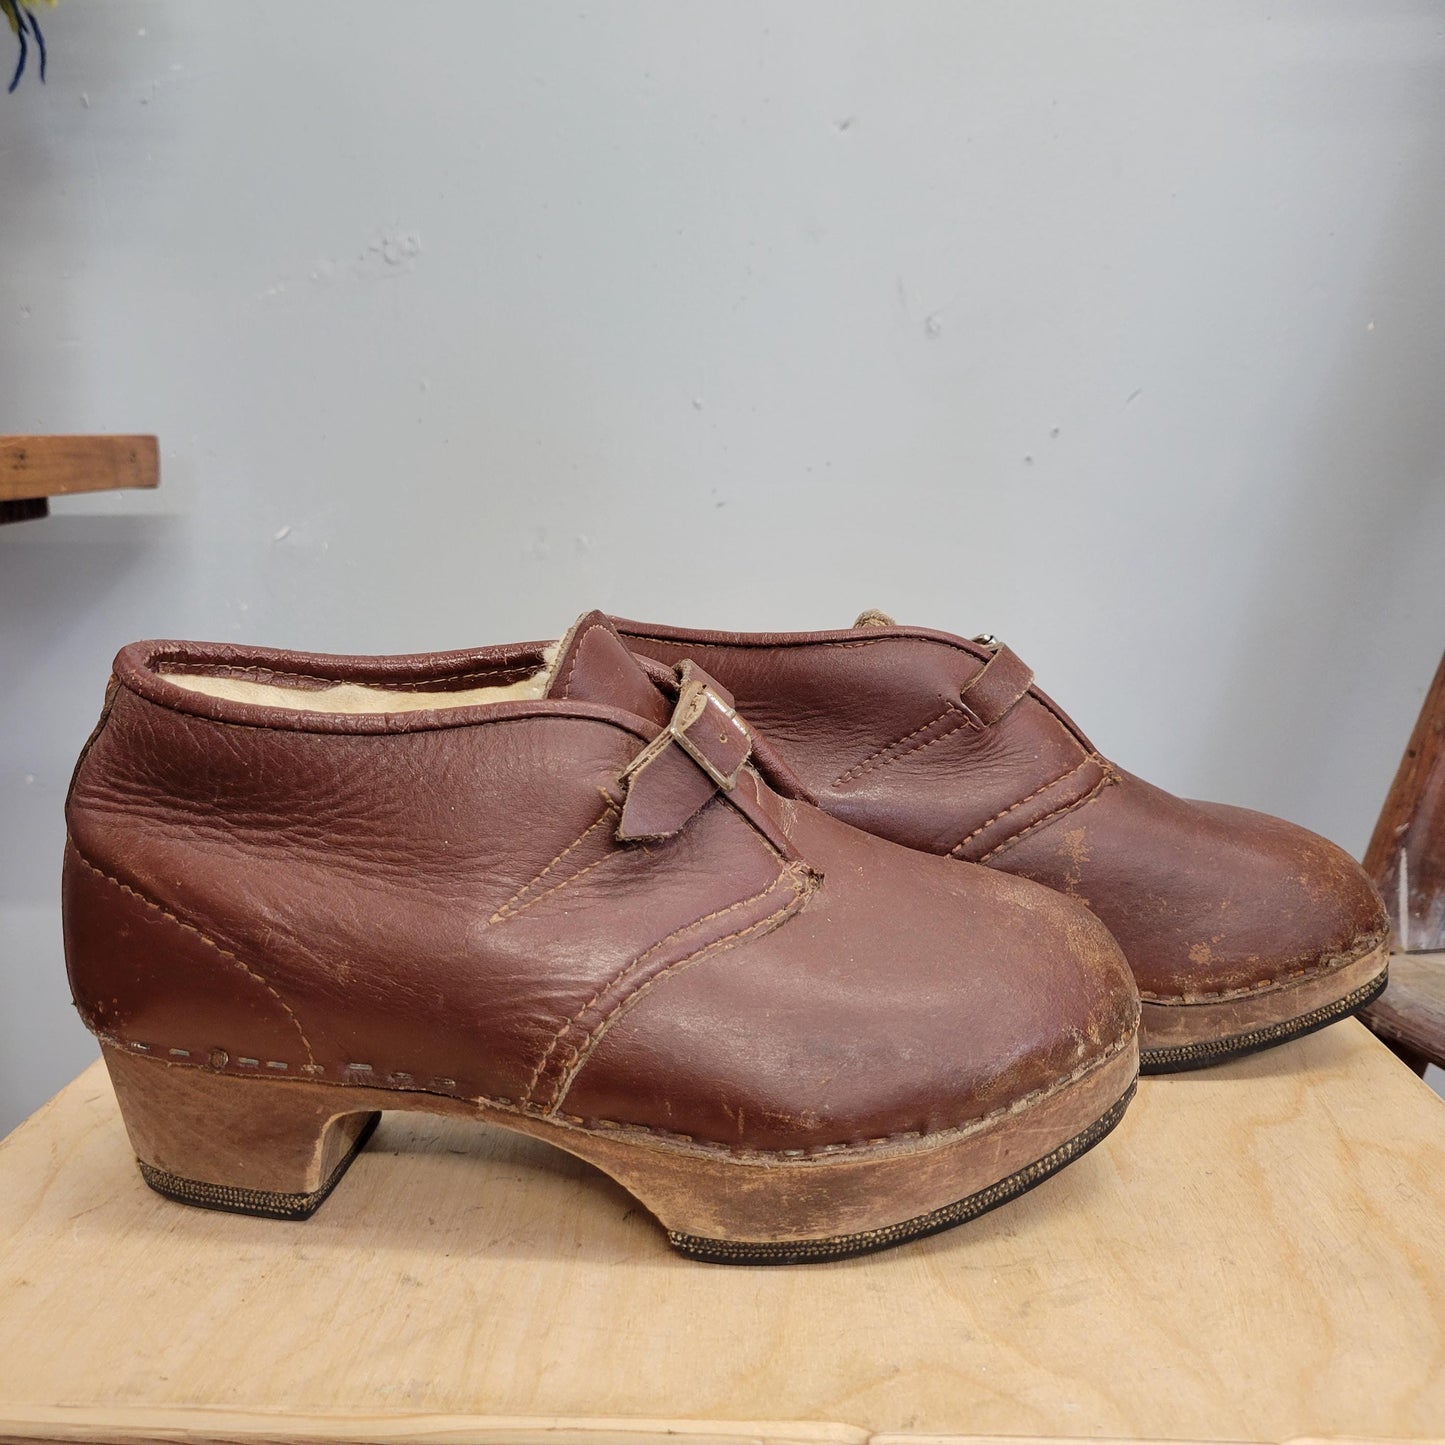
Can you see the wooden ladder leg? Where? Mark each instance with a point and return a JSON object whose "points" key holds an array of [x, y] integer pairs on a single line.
{"points": [[1406, 856]]}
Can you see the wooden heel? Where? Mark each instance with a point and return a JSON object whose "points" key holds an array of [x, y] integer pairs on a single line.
{"points": [[271, 1147]]}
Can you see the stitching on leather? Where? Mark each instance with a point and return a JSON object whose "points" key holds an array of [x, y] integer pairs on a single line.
{"points": [[579, 1055], [500, 675], [1023, 1102], [576, 657], [218, 669], [353, 1073], [555, 888], [730, 800], [871, 760], [631, 965], [989, 822], [507, 910], [191, 928], [767, 646], [1109, 777], [978, 677], [667, 1135], [1331, 963], [1032, 691]]}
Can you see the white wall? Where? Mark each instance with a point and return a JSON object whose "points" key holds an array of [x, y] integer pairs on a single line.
{"points": [[1115, 328]]}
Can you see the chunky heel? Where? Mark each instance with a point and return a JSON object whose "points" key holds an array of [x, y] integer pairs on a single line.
{"points": [[270, 1147]]}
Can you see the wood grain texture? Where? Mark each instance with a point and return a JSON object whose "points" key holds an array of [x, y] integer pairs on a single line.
{"points": [[1254, 1255], [1406, 856], [1411, 1011], [51, 466]]}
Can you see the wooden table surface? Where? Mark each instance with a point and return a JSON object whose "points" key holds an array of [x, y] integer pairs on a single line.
{"points": [[1256, 1254]]}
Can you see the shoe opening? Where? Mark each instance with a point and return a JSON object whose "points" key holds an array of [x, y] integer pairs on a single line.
{"points": [[307, 692]]}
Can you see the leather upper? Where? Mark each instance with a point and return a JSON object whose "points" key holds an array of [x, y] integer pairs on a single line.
{"points": [[613, 904], [943, 744]]}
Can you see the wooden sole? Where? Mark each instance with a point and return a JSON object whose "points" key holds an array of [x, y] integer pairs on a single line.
{"points": [[848, 1246], [277, 1147], [1176, 1037]]}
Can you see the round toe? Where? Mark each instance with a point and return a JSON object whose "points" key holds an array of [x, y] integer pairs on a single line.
{"points": [[911, 995], [1207, 900]]}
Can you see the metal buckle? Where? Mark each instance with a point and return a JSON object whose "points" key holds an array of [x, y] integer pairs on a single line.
{"points": [[692, 704], [726, 781]]}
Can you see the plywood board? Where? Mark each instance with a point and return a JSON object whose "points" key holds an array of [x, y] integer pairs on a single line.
{"points": [[1254, 1255]]}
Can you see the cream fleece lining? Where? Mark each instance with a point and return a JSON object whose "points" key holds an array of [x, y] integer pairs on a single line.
{"points": [[354, 697]]}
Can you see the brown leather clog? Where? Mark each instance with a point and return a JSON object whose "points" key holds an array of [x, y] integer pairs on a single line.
{"points": [[1243, 931], [572, 897]]}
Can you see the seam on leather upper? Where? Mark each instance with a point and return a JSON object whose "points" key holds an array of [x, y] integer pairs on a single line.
{"points": [[957, 644], [204, 937], [886, 754], [507, 910], [768, 646], [1053, 782], [584, 1051], [617, 979], [112, 690], [576, 657], [630, 966], [1110, 776]]}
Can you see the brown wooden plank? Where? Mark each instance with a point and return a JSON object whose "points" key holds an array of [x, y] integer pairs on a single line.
{"points": [[1411, 1012], [1406, 856], [51, 466]]}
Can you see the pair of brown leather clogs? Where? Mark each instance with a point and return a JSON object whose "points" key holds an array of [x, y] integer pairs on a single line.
{"points": [[704, 909]]}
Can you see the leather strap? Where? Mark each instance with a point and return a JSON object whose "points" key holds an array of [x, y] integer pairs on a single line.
{"points": [[700, 751], [991, 693]]}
